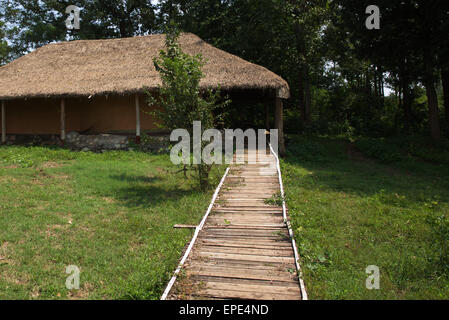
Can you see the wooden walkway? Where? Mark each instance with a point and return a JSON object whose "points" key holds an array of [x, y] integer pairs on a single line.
{"points": [[244, 250]]}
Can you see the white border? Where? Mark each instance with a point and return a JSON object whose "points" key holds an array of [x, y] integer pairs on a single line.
{"points": [[290, 231], [195, 236]]}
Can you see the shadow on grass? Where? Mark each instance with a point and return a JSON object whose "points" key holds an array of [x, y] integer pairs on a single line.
{"points": [[150, 191], [134, 178], [333, 169]]}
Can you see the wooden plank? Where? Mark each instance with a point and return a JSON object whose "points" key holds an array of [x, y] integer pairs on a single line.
{"points": [[244, 244], [247, 214], [256, 179], [259, 218], [256, 265], [233, 294], [276, 252], [262, 209], [245, 237], [245, 234], [247, 265], [237, 197], [248, 287], [255, 193], [243, 274], [243, 257], [184, 226], [280, 232], [276, 284], [273, 226], [252, 243]]}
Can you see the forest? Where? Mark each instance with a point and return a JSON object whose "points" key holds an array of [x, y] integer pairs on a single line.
{"points": [[344, 78]]}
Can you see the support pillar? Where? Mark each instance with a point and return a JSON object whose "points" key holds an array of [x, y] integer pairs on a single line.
{"points": [[137, 119], [267, 117], [3, 122], [279, 124], [62, 121]]}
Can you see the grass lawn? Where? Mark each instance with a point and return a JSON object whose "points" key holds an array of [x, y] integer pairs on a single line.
{"points": [[350, 211], [110, 214]]}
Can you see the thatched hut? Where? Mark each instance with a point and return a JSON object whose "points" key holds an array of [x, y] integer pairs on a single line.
{"points": [[96, 86]]}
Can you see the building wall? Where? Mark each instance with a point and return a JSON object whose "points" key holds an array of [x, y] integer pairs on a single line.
{"points": [[112, 114]]}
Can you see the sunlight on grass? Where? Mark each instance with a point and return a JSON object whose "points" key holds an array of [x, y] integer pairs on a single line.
{"points": [[110, 214]]}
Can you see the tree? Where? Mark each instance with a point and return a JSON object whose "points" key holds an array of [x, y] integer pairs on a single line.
{"points": [[416, 25], [307, 19], [116, 18], [38, 23], [4, 48], [33, 23], [180, 101]]}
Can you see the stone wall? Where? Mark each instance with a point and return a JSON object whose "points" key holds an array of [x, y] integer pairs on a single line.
{"points": [[97, 143]]}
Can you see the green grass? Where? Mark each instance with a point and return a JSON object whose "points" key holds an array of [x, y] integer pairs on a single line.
{"points": [[350, 211], [110, 214]]}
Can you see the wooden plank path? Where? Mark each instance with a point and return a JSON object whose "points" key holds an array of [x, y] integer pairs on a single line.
{"points": [[244, 250]]}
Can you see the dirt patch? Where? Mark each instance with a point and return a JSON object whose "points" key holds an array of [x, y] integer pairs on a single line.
{"points": [[4, 256], [53, 230], [61, 176], [355, 155], [51, 164], [18, 279], [11, 166], [81, 293], [136, 245], [35, 294], [109, 200]]}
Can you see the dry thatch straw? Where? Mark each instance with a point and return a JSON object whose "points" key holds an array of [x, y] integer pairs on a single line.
{"points": [[120, 66]]}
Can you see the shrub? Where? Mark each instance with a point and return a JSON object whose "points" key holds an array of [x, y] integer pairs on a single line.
{"points": [[180, 101]]}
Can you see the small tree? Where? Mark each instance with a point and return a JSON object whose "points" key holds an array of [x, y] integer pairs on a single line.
{"points": [[180, 101]]}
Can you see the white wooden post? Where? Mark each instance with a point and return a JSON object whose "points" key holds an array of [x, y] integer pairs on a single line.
{"points": [[62, 120], [279, 124], [3, 123], [137, 119]]}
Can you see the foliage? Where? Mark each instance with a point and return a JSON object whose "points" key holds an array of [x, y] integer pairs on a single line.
{"points": [[4, 48]]}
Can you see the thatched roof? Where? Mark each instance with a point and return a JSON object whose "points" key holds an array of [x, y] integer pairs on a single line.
{"points": [[120, 66]]}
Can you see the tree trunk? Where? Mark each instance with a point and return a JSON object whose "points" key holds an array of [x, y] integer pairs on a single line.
{"points": [[279, 124], [445, 81], [304, 85], [301, 99], [307, 98], [432, 101], [407, 104]]}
